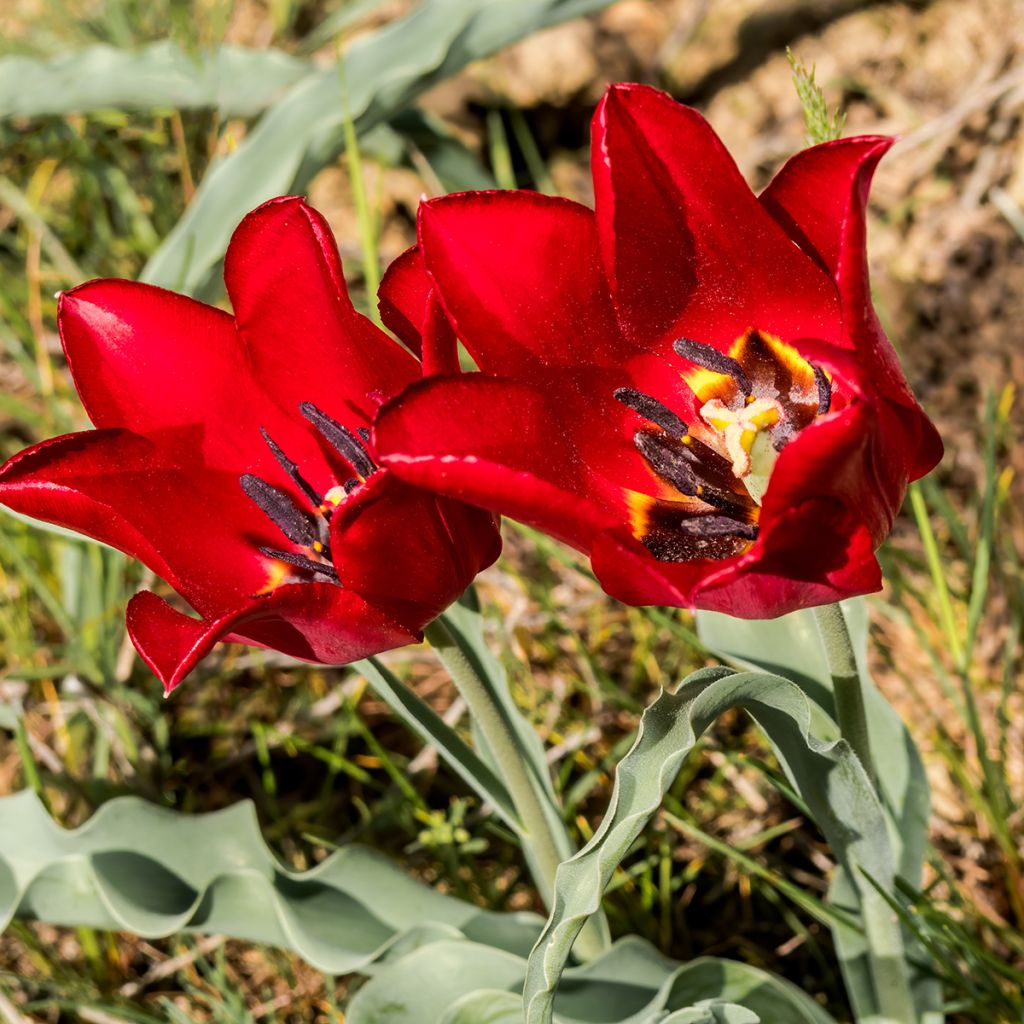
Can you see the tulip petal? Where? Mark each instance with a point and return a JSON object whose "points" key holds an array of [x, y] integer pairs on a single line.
{"points": [[496, 443], [792, 575], [141, 495], [688, 249], [144, 358], [520, 277], [386, 523], [311, 621], [54, 481], [402, 297], [820, 198], [302, 336]]}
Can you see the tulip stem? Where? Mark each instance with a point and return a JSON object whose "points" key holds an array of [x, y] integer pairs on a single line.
{"points": [[846, 682], [886, 953], [537, 828]]}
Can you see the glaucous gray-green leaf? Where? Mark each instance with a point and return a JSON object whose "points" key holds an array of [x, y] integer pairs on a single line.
{"points": [[486, 1006], [154, 872], [459, 982], [382, 73], [238, 82], [828, 776], [420, 988], [791, 646], [713, 1013]]}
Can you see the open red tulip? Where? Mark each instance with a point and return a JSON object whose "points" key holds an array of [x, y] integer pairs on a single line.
{"points": [[233, 457], [689, 383]]}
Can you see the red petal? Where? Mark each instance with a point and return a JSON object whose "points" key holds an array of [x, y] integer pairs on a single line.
{"points": [[392, 544], [520, 277], [191, 525], [313, 621], [688, 248], [816, 193], [145, 358], [493, 442], [818, 555], [402, 297], [410, 307], [302, 336], [54, 480], [820, 197], [792, 573]]}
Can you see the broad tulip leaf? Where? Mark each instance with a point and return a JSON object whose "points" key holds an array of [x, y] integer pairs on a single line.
{"points": [[485, 1006], [236, 81], [155, 872], [713, 1013], [461, 982], [790, 646], [420, 988], [382, 73], [829, 778]]}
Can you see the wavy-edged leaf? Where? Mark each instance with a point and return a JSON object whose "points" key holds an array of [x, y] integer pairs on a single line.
{"points": [[713, 1013], [828, 776], [791, 646], [459, 982], [485, 1006], [420, 988], [383, 72], [155, 872], [238, 82]]}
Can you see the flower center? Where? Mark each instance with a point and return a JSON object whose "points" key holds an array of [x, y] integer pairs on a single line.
{"points": [[309, 530], [751, 402]]}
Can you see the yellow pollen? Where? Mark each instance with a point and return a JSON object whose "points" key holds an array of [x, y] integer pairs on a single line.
{"points": [[334, 497], [318, 547]]}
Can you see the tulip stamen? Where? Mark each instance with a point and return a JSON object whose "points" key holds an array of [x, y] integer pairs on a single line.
{"points": [[292, 470], [667, 461], [651, 409], [709, 358], [718, 526], [309, 531], [279, 508], [301, 562], [350, 446], [824, 386], [714, 471]]}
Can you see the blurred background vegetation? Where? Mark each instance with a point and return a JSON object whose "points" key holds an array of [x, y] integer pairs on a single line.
{"points": [[102, 151]]}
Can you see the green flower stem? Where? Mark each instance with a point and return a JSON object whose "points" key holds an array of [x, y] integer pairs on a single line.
{"points": [[494, 726], [881, 925], [849, 692]]}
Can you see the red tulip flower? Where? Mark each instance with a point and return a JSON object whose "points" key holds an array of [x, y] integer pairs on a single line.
{"points": [[232, 456], [688, 383]]}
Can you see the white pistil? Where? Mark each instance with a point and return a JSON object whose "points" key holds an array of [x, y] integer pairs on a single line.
{"points": [[744, 434]]}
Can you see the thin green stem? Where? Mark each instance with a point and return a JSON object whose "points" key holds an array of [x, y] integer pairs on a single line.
{"points": [[489, 718], [846, 683], [882, 931]]}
